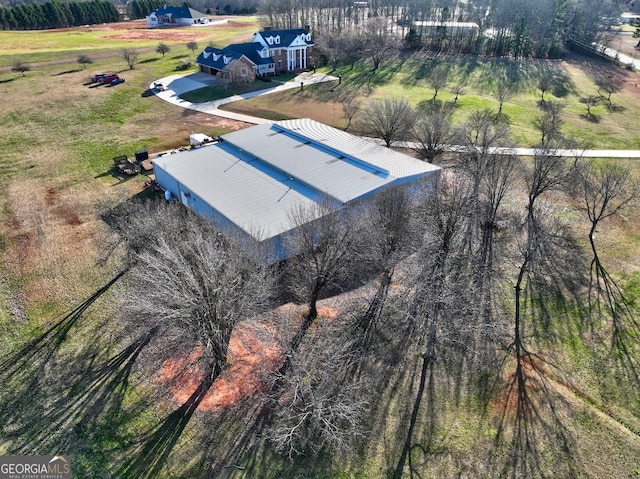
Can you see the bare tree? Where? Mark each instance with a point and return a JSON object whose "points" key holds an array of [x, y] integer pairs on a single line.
{"points": [[549, 171], [163, 48], [437, 79], [379, 45], [192, 284], [436, 292], [390, 120], [503, 92], [608, 85], [606, 190], [457, 90], [590, 101], [20, 67], [330, 43], [490, 176], [545, 82], [193, 46], [322, 247], [84, 60], [130, 56], [433, 130], [316, 406], [549, 122], [392, 232], [350, 107]]}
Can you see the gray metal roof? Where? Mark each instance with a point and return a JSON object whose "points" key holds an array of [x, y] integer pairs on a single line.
{"points": [[256, 176], [398, 165], [256, 202]]}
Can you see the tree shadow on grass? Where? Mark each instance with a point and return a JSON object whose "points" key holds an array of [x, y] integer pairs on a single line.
{"points": [[66, 72], [50, 397], [591, 117], [531, 440], [148, 462], [611, 108]]}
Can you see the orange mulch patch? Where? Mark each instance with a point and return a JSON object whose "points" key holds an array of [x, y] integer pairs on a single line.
{"points": [[253, 354], [507, 400]]}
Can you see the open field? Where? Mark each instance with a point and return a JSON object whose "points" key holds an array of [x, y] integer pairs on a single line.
{"points": [[408, 78], [75, 381], [104, 40]]}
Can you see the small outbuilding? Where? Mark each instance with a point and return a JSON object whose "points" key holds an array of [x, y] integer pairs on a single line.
{"points": [[251, 180]]}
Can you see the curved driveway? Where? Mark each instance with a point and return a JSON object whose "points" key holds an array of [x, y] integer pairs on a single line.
{"points": [[176, 85]]}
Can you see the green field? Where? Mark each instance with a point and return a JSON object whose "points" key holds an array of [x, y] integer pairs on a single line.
{"points": [[611, 129], [76, 381]]}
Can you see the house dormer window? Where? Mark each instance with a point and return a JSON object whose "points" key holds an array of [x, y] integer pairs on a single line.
{"points": [[270, 40], [308, 37], [277, 39], [226, 59]]}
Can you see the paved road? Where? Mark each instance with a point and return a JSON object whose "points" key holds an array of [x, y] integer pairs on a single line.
{"points": [[178, 84]]}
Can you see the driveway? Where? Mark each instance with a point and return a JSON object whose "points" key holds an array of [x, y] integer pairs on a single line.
{"points": [[176, 85]]}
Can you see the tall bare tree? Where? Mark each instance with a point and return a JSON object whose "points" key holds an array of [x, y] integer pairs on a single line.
{"points": [[193, 285], [317, 406], [606, 190], [437, 79], [549, 122], [130, 55], [392, 233], [433, 130], [457, 90], [322, 249], [379, 45], [350, 107], [390, 120], [609, 85], [503, 92]]}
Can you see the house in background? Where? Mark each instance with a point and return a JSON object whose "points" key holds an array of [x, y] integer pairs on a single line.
{"points": [[251, 181], [176, 16], [269, 53]]}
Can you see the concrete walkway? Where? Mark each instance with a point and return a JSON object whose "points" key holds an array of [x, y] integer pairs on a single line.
{"points": [[176, 85]]}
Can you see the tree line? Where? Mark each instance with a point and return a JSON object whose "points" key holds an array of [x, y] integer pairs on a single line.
{"points": [[142, 8], [54, 14], [496, 28]]}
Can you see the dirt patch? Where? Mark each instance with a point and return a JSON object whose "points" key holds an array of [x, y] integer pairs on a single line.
{"points": [[254, 353]]}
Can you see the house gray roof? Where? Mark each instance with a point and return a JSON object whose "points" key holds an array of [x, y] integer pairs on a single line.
{"points": [[256, 176]]}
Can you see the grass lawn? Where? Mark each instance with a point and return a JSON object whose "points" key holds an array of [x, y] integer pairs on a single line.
{"points": [[106, 40], [408, 78], [77, 381]]}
